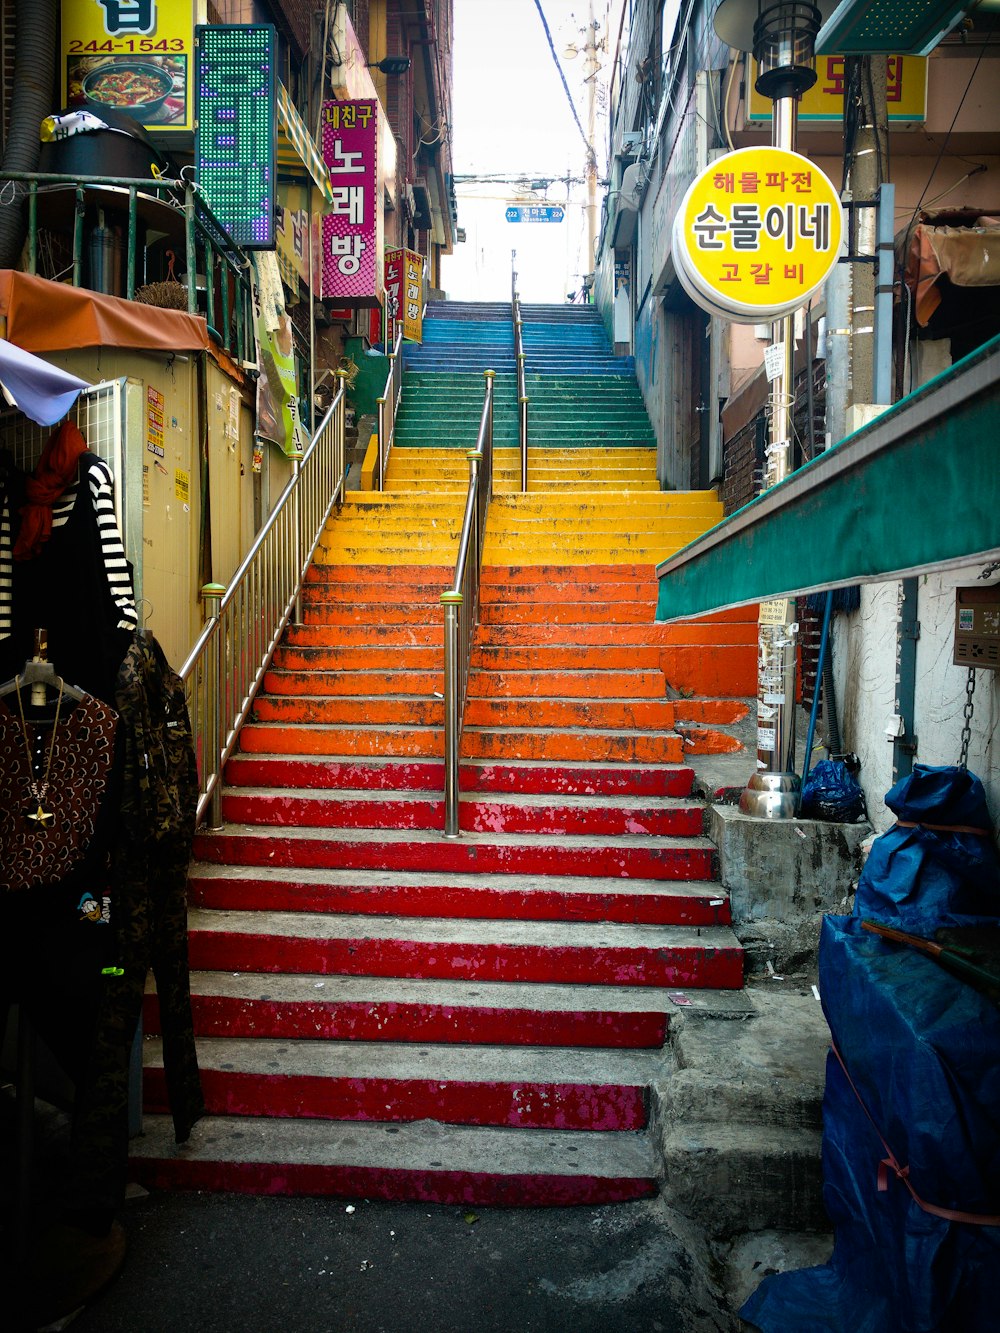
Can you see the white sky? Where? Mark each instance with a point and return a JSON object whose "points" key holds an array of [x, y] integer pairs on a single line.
{"points": [[510, 114]]}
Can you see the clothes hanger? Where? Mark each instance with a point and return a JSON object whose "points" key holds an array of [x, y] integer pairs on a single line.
{"points": [[40, 674]]}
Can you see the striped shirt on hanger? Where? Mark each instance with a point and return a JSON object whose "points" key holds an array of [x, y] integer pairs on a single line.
{"points": [[112, 551]]}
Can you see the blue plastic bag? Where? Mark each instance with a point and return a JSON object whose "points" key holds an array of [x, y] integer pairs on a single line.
{"points": [[831, 792]]}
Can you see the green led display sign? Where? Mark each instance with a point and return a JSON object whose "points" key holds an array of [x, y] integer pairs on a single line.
{"points": [[234, 139]]}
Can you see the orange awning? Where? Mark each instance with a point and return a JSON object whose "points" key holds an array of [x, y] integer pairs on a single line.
{"points": [[45, 316]]}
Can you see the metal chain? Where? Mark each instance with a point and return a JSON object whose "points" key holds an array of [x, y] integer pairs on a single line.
{"points": [[970, 687]]}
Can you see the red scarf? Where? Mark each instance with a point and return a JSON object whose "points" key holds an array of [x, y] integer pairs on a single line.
{"points": [[53, 473]]}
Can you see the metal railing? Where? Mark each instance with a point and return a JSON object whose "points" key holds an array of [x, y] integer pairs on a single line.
{"points": [[522, 393], [211, 257], [388, 405], [247, 619], [461, 604]]}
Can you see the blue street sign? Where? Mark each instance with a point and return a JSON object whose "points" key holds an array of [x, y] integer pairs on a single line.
{"points": [[535, 213]]}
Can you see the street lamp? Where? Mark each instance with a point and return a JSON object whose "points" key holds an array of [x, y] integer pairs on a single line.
{"points": [[782, 36], [391, 64]]}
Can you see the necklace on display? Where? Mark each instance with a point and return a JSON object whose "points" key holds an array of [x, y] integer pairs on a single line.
{"points": [[40, 817]]}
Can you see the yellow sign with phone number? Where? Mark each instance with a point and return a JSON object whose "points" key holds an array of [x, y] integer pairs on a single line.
{"points": [[131, 56]]}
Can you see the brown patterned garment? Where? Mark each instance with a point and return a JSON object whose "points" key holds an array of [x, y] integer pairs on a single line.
{"points": [[151, 851], [35, 854]]}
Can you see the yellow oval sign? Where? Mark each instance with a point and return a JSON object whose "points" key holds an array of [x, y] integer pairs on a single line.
{"points": [[758, 232]]}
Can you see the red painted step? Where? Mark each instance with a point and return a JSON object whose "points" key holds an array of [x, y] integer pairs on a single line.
{"points": [[490, 951], [520, 1087], [344, 809], [313, 772], [368, 1160], [494, 897], [360, 1009], [638, 856]]}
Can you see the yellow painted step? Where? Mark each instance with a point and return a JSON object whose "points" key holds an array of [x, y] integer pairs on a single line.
{"points": [[383, 530], [701, 505]]}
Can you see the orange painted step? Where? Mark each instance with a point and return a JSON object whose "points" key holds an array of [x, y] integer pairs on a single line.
{"points": [[565, 590], [619, 612], [341, 636], [579, 747], [363, 742], [348, 616], [725, 672], [611, 636], [377, 580], [584, 684], [312, 710], [352, 683], [653, 714], [359, 657]]}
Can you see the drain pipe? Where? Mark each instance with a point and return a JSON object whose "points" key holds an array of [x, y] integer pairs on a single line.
{"points": [[34, 74]]}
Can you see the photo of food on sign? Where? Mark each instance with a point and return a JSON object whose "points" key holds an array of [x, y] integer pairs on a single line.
{"points": [[150, 88]]}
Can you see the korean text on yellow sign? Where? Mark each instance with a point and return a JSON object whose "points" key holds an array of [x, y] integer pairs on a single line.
{"points": [[404, 287], [761, 229], [905, 92], [132, 56]]}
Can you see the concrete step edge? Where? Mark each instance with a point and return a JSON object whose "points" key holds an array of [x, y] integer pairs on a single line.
{"points": [[363, 1061], [420, 1148], [437, 930], [537, 997]]}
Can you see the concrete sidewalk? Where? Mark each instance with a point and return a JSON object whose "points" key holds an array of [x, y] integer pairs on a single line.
{"points": [[224, 1263]]}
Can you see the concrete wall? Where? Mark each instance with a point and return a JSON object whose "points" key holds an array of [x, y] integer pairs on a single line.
{"points": [[865, 672]]}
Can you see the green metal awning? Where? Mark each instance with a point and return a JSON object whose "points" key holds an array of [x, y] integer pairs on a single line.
{"points": [[296, 144], [916, 490]]}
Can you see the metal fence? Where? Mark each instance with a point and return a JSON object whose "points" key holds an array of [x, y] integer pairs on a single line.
{"points": [[99, 412], [461, 603], [174, 209], [247, 619]]}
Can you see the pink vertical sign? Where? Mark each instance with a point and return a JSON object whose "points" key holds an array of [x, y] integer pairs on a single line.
{"points": [[350, 225]]}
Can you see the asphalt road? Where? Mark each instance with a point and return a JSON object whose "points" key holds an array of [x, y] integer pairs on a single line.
{"points": [[232, 1264]]}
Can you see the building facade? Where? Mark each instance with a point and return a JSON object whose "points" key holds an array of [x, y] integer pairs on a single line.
{"points": [[929, 128]]}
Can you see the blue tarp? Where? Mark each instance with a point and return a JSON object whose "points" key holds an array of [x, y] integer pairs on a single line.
{"points": [[922, 1050], [42, 392]]}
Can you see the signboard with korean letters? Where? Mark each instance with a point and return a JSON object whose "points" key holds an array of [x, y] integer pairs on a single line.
{"points": [[823, 103], [757, 233], [351, 239], [133, 56], [234, 144], [404, 295]]}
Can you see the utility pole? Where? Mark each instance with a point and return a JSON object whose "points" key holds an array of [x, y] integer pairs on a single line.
{"points": [[590, 78], [865, 82]]}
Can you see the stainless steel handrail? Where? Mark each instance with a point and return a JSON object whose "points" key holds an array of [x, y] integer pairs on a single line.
{"points": [[461, 604], [522, 393], [246, 620], [388, 405]]}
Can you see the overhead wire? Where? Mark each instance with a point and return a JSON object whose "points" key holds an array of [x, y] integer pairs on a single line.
{"points": [[944, 143], [569, 96], [905, 249]]}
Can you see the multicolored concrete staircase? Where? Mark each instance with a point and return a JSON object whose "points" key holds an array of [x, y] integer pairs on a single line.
{"points": [[383, 1012]]}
